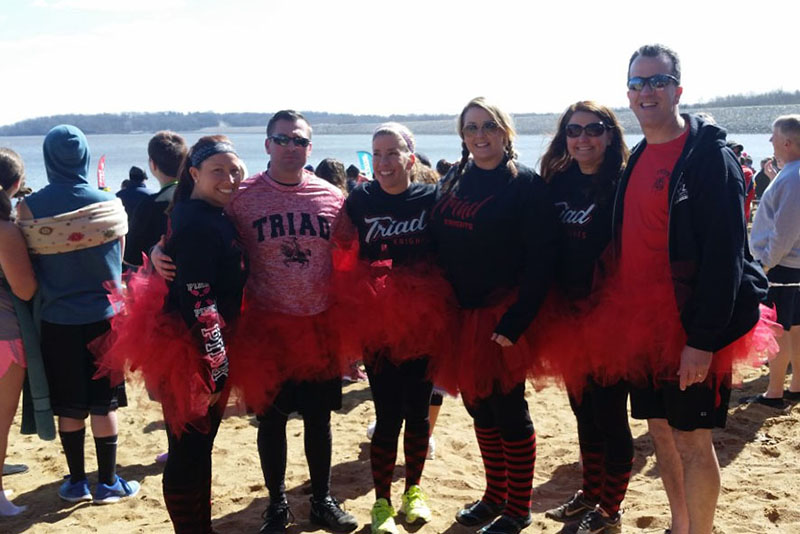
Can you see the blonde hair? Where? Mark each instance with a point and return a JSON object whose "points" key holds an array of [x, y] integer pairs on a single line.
{"points": [[401, 132], [503, 120]]}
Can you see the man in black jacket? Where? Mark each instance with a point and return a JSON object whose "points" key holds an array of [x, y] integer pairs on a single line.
{"points": [[679, 211], [148, 222]]}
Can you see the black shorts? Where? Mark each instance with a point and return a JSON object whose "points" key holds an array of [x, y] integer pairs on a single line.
{"points": [[696, 407], [70, 368], [309, 398], [785, 299]]}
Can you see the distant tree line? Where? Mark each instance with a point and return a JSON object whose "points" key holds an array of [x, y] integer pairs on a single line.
{"points": [[773, 98], [114, 123]]}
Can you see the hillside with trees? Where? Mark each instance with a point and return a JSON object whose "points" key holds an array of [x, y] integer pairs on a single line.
{"points": [[744, 113]]}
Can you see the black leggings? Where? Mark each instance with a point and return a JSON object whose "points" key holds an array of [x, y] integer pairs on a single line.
{"points": [[187, 475], [400, 393], [317, 438], [508, 412], [602, 417]]}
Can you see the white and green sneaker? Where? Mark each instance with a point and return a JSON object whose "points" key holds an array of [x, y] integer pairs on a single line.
{"points": [[414, 506], [383, 518]]}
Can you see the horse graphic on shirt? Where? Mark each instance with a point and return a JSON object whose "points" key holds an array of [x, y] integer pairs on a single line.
{"points": [[292, 253]]}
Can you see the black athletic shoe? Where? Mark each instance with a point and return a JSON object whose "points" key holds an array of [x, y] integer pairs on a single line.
{"points": [[572, 510], [479, 512], [328, 513], [596, 523], [506, 524], [276, 518]]}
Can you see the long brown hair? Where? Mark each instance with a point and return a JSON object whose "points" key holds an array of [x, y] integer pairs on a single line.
{"points": [[12, 170], [556, 158]]}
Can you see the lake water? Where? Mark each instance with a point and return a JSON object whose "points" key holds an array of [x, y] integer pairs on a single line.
{"points": [[124, 150]]}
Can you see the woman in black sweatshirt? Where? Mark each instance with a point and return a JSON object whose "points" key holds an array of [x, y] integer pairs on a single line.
{"points": [[177, 334], [207, 293], [496, 236], [583, 164], [390, 216]]}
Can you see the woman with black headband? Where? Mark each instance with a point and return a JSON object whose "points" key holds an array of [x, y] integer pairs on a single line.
{"points": [[181, 350], [583, 164], [496, 237]]}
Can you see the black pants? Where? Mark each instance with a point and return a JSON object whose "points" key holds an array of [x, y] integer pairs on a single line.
{"points": [[400, 393], [187, 475], [602, 415], [314, 401], [507, 412]]}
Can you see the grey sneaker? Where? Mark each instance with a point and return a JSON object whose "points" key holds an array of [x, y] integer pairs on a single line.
{"points": [[572, 510]]}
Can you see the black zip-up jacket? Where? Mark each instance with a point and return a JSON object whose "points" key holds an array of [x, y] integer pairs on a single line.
{"points": [[718, 285], [495, 234]]}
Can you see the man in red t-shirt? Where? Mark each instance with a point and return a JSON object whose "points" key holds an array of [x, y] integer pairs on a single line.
{"points": [[682, 227]]}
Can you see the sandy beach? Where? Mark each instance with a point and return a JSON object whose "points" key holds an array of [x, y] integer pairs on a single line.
{"points": [[758, 454]]}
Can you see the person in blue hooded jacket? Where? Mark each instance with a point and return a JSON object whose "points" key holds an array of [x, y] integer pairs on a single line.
{"points": [[75, 233]]}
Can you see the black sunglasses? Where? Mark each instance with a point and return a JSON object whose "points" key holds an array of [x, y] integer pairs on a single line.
{"points": [[487, 128], [595, 129], [656, 81], [284, 140]]}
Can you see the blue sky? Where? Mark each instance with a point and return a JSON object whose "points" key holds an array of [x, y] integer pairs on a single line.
{"points": [[92, 56]]}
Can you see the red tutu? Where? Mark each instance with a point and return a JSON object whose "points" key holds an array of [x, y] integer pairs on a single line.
{"points": [[624, 334], [273, 348], [159, 347], [409, 310], [476, 364]]}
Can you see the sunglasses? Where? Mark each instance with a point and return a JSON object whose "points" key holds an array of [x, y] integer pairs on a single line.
{"points": [[595, 129], [487, 127], [284, 140], [656, 81]]}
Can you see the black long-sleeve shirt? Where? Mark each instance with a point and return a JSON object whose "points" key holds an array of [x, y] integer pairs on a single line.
{"points": [[210, 278], [395, 227], [583, 205], [495, 233]]}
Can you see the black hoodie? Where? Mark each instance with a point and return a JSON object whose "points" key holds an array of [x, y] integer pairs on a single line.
{"points": [[717, 284]]}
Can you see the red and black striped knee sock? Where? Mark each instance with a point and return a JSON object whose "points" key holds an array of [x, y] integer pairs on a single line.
{"points": [[520, 457], [592, 457], [616, 484], [185, 509], [493, 463], [382, 457], [415, 447]]}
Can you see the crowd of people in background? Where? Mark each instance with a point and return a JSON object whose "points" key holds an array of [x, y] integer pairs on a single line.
{"points": [[469, 277]]}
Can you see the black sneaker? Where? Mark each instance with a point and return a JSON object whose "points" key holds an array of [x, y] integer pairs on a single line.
{"points": [[328, 513], [506, 524], [276, 518], [479, 512], [572, 510], [595, 522]]}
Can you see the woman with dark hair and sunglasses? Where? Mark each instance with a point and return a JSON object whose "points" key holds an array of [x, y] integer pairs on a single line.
{"points": [[176, 332], [583, 164], [495, 229]]}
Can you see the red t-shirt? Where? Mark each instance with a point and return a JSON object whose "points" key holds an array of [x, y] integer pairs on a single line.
{"points": [[645, 235]]}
